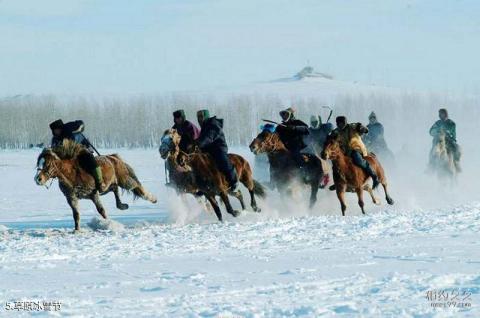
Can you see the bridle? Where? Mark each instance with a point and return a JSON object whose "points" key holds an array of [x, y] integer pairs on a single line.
{"points": [[48, 173]]}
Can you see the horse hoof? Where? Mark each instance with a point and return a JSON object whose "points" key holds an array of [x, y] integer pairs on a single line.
{"points": [[76, 231], [258, 210], [235, 213], [390, 201], [122, 206]]}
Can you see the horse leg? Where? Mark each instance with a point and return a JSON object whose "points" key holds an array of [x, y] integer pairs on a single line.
{"points": [[98, 204], [214, 204], [228, 206], [253, 202], [239, 196], [120, 205], [201, 199], [341, 197], [73, 203], [315, 184], [387, 196], [359, 192], [247, 181], [368, 188]]}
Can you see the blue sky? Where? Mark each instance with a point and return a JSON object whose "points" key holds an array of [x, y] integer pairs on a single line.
{"points": [[143, 46]]}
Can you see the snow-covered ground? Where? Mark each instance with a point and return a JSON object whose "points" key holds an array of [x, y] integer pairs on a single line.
{"points": [[174, 259]]}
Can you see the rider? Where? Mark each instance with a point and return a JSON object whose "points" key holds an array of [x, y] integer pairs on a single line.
{"points": [[291, 132], [447, 126], [212, 141], [188, 131], [73, 131], [374, 139], [318, 133], [352, 145]]}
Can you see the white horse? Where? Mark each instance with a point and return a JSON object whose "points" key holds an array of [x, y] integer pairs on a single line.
{"points": [[442, 160]]}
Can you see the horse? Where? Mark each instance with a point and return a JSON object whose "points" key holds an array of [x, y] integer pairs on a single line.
{"points": [[75, 183], [197, 173], [283, 169], [347, 175], [443, 159]]}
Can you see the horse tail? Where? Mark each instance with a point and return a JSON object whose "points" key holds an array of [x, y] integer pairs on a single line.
{"points": [[128, 180], [259, 189], [136, 187]]}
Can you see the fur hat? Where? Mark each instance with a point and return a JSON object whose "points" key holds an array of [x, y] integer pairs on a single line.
{"points": [[290, 111], [444, 111], [341, 119], [204, 112], [179, 114], [57, 124]]}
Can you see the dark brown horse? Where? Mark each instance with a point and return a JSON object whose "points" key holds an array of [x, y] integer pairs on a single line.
{"points": [[283, 169], [75, 183], [197, 173], [347, 175]]}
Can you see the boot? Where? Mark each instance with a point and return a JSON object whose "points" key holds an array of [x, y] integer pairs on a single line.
{"points": [[97, 175], [372, 175], [233, 182]]}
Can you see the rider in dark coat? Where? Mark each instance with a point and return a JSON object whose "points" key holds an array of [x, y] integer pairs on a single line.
{"points": [[447, 126], [318, 133], [291, 133], [212, 141], [73, 131], [374, 139], [187, 130]]}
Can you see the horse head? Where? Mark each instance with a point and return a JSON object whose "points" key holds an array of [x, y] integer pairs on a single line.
{"points": [[169, 143], [46, 166], [266, 142], [331, 148]]}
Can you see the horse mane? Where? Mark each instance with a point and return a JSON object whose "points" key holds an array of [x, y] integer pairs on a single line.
{"points": [[69, 149], [278, 140]]}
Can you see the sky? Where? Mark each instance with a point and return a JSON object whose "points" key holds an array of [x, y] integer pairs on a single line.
{"points": [[145, 46]]}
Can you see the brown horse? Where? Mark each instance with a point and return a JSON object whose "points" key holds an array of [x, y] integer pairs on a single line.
{"points": [[283, 169], [75, 183], [196, 173], [347, 175]]}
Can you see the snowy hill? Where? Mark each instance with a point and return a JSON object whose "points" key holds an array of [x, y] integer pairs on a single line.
{"points": [[307, 83]]}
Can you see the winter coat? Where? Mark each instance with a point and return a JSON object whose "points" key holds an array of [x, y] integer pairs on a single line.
{"points": [[374, 138], [212, 138], [72, 131], [448, 126], [351, 138], [291, 133], [318, 136], [189, 133]]}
